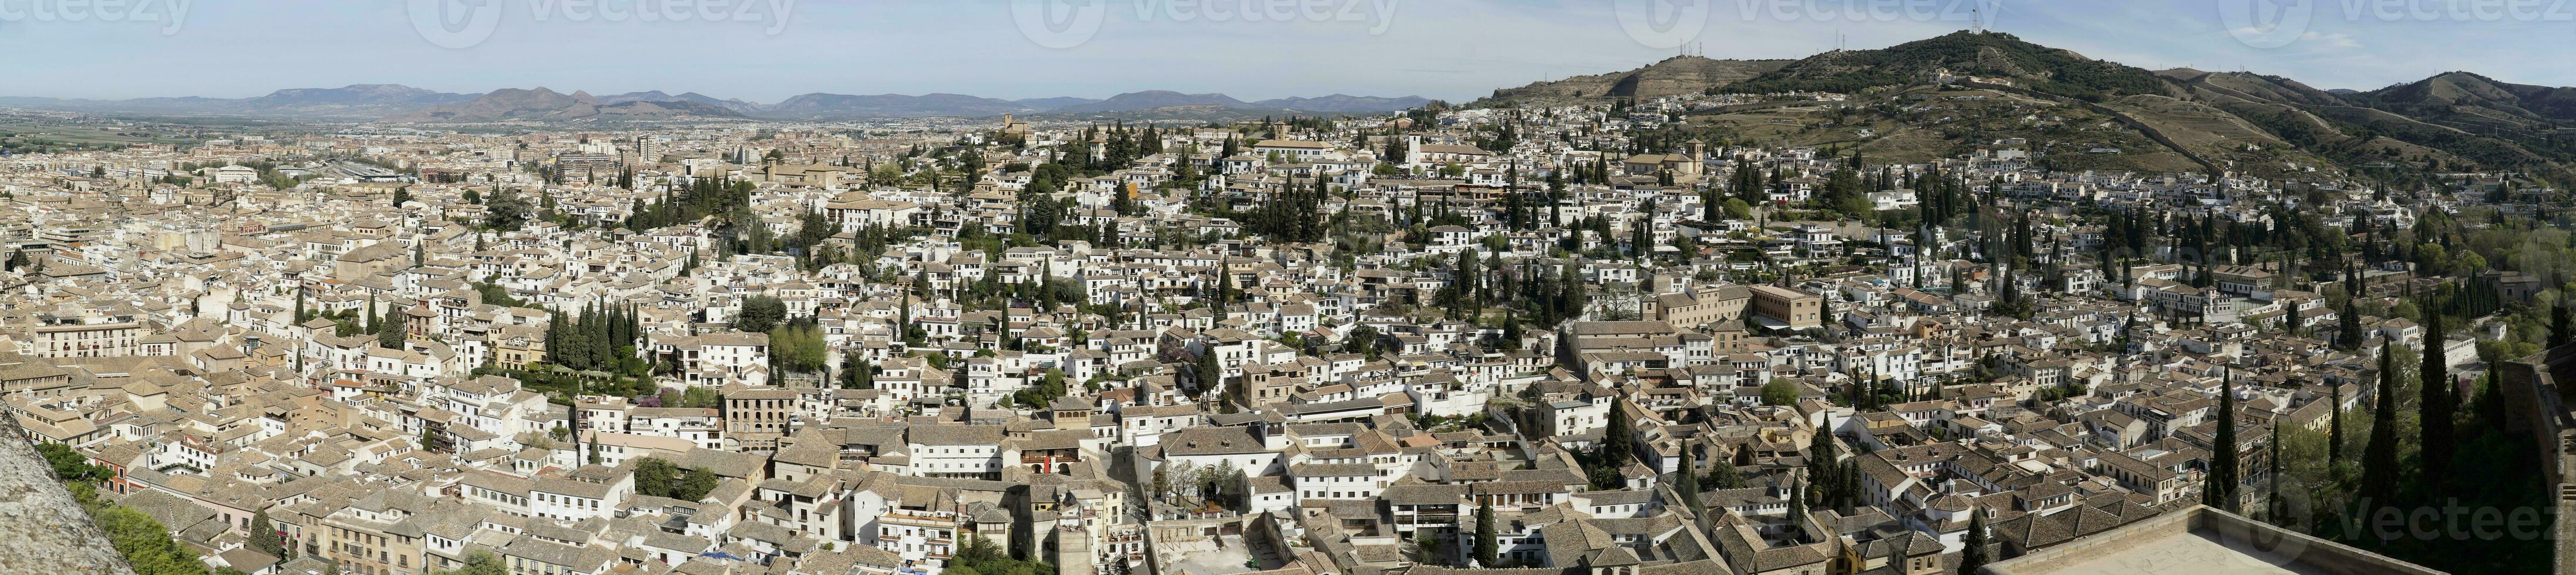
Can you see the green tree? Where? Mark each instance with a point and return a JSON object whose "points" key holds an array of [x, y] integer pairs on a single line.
{"points": [[694, 396], [760, 314], [1224, 291], [506, 210], [1824, 458], [655, 477], [2440, 404], [1489, 551], [2220, 490], [2277, 509], [1973, 556], [1780, 392], [70, 466], [145, 543], [1162, 483], [696, 485], [2562, 324], [2334, 430], [979, 557], [857, 372], [1619, 439], [1797, 501], [797, 346], [1362, 339], [1207, 375], [1688, 484], [480, 562], [264, 537], [2379, 458], [432, 440], [1723, 475]]}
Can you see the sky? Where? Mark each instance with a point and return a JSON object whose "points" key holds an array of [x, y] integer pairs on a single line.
{"points": [[768, 50]]}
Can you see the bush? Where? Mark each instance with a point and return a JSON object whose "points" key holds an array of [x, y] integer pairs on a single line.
{"points": [[70, 466], [1781, 392]]}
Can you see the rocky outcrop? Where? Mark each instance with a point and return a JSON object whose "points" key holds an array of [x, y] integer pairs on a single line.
{"points": [[47, 531]]}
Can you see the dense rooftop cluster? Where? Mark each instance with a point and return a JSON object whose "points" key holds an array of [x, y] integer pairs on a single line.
{"points": [[1542, 340]]}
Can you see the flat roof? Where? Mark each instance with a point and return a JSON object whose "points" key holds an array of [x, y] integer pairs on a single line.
{"points": [[2201, 541], [2185, 553]]}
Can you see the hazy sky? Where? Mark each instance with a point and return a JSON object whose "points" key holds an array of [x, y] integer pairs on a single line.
{"points": [[1442, 49]]}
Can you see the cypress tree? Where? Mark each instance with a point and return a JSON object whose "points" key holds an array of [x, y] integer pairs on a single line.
{"points": [[1488, 551], [2379, 458], [1849, 493], [2437, 409], [1224, 289], [1208, 373], [1974, 555], [2334, 431], [1617, 439], [1823, 458], [2562, 326], [857, 372], [2220, 490], [2275, 509], [1688, 484], [1797, 502]]}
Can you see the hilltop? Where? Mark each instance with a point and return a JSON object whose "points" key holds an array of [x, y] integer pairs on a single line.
{"points": [[1675, 75], [1988, 55], [2129, 117]]}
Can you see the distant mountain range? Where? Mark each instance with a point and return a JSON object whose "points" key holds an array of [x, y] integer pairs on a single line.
{"points": [[834, 106], [352, 101], [544, 104], [2099, 113], [397, 103], [2453, 121]]}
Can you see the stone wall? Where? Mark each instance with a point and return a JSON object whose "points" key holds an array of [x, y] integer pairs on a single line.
{"points": [[2535, 388], [47, 531]]}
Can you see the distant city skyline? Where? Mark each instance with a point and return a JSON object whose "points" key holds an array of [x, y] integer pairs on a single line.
{"points": [[769, 50]]}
